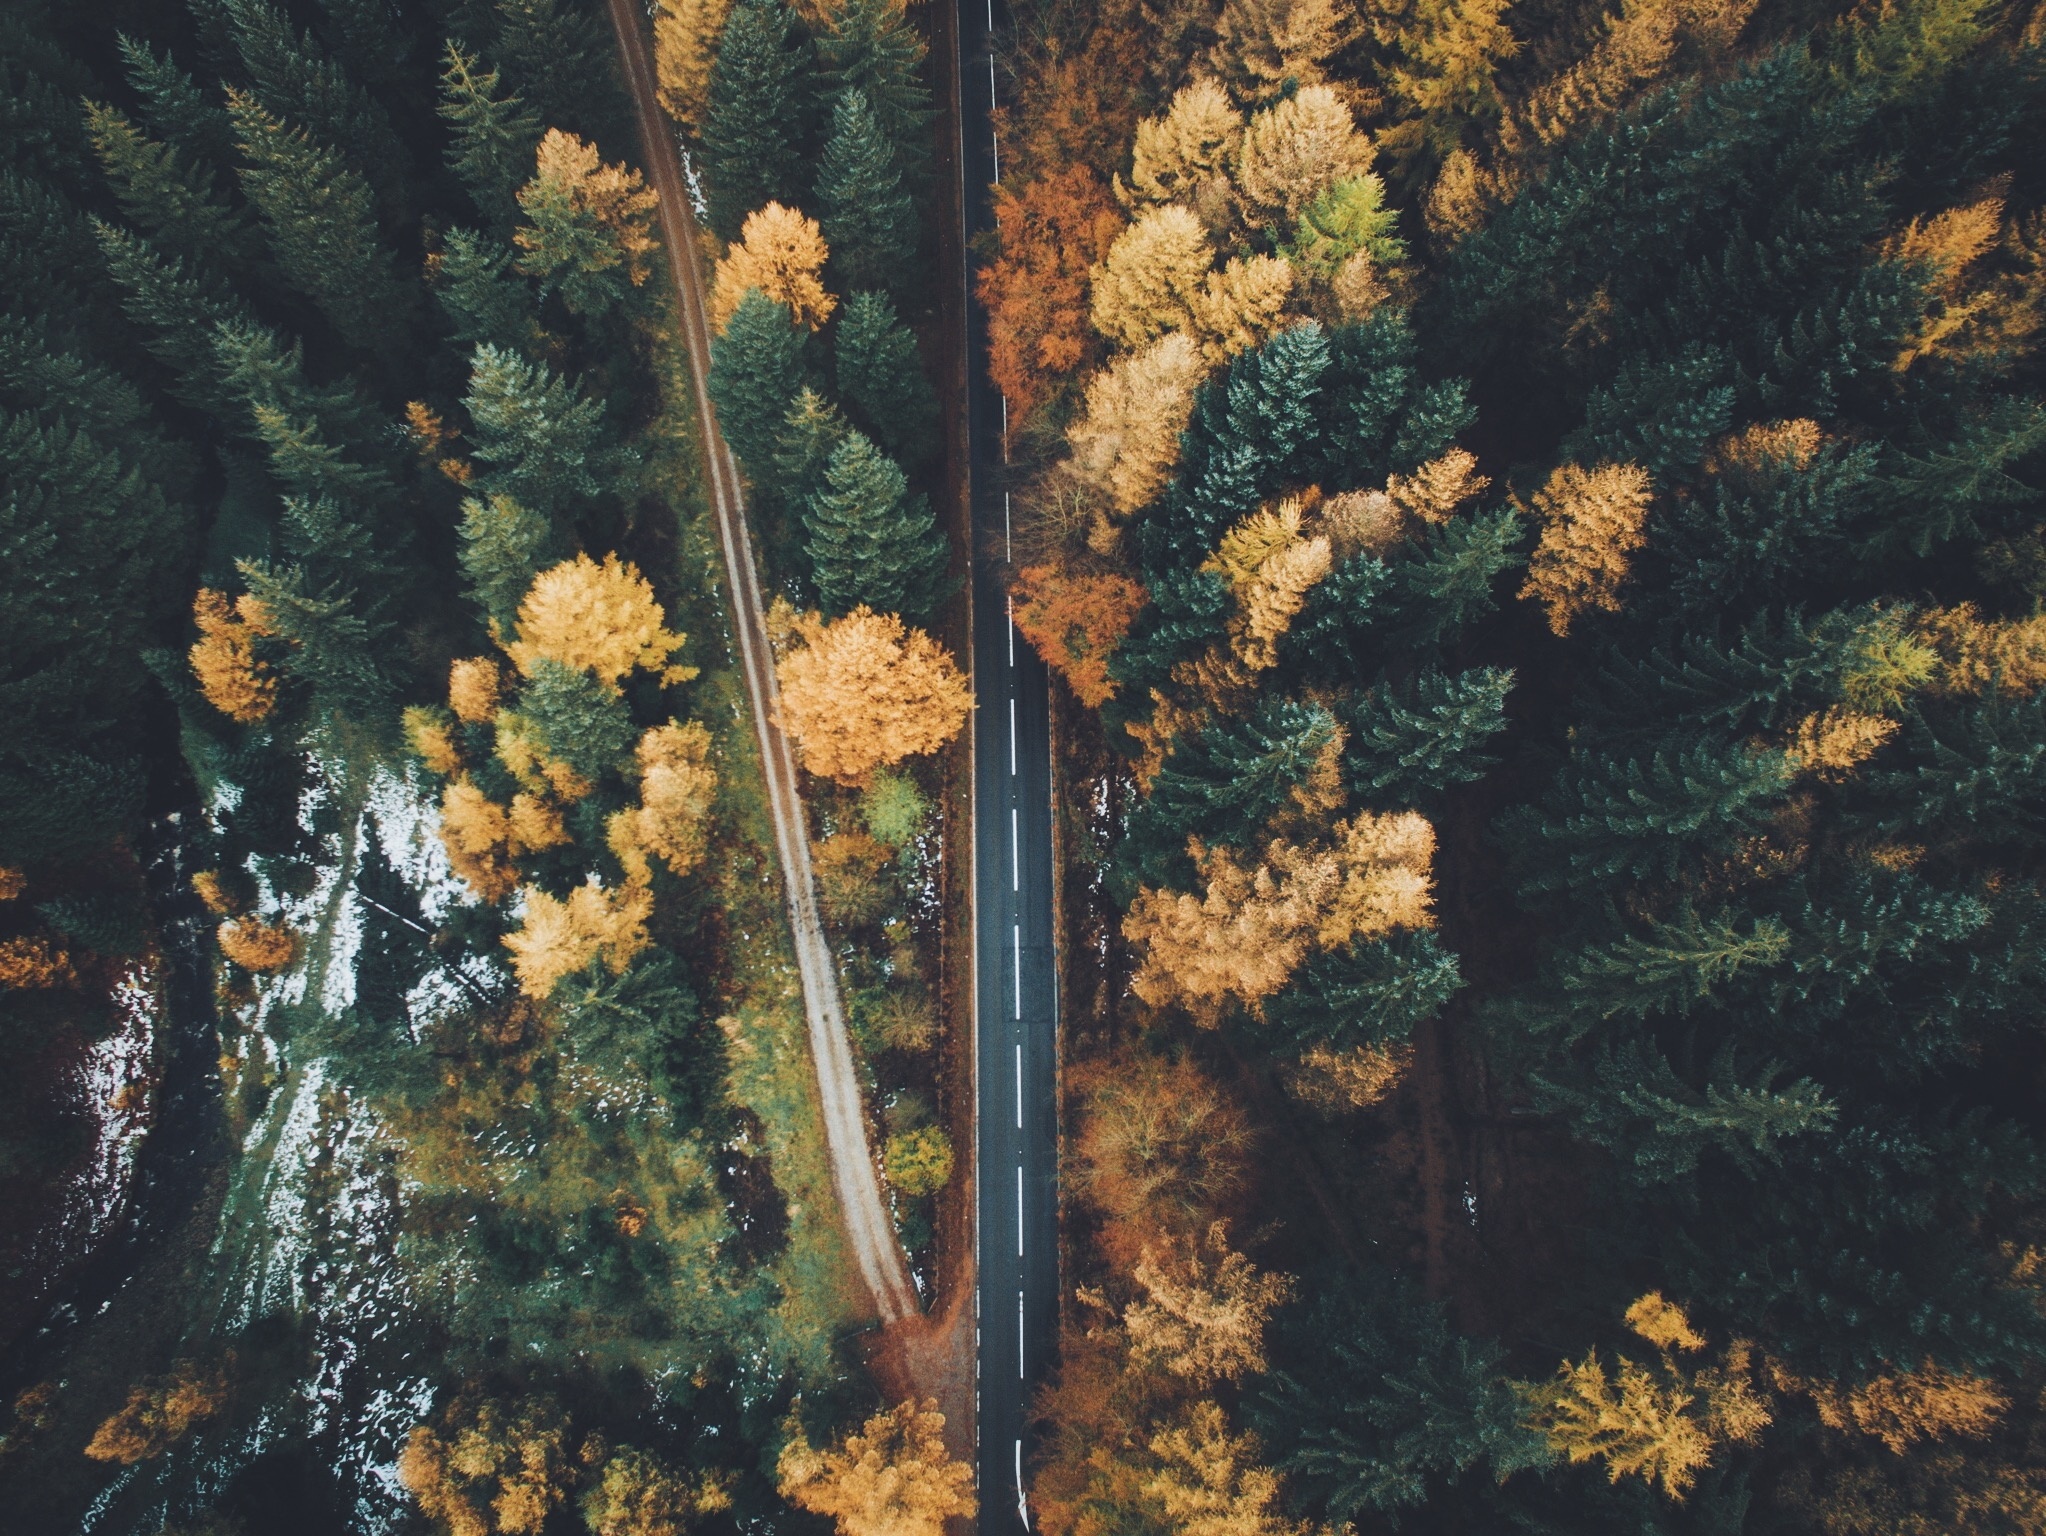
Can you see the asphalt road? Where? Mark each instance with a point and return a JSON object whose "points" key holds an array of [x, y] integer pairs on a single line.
{"points": [[1015, 977], [869, 1229]]}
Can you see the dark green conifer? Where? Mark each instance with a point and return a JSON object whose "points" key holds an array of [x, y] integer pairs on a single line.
{"points": [[757, 367], [482, 295], [323, 230], [505, 544], [872, 46], [546, 445], [579, 720], [176, 108], [881, 377], [760, 88], [1428, 735], [178, 310], [492, 136], [869, 541], [868, 218], [172, 196]]}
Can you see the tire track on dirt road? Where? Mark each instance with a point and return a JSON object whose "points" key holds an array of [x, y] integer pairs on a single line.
{"points": [[867, 1223]]}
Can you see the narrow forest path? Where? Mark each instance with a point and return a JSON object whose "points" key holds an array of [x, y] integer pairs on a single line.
{"points": [[868, 1226]]}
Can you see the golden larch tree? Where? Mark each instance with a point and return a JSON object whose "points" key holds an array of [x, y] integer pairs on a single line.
{"points": [[30, 962], [559, 938], [430, 735], [1184, 154], [1126, 444], [1249, 929], [224, 660], [159, 1413], [1211, 1482], [865, 691], [685, 44], [1260, 44], [1203, 1312], [1243, 305], [1592, 521], [474, 685], [596, 618], [893, 1477], [781, 252], [1902, 1408], [1296, 150], [639, 1494], [1271, 565], [1151, 278], [676, 786], [491, 1467], [573, 188], [1161, 1152]]}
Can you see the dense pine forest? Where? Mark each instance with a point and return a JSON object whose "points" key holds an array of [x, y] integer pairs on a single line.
{"points": [[1539, 509], [411, 1124]]}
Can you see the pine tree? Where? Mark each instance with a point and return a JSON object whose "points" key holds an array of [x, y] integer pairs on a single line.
{"points": [[558, 55], [483, 298], [882, 379], [176, 108], [760, 91], [323, 230], [578, 720], [1446, 582], [295, 82], [868, 218], [504, 546], [810, 434], [492, 136], [1429, 735], [1371, 993], [871, 46], [178, 310], [1673, 967], [40, 377], [756, 370], [869, 542], [173, 197], [547, 446]]}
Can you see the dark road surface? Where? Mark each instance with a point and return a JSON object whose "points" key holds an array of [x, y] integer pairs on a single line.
{"points": [[1015, 979]]}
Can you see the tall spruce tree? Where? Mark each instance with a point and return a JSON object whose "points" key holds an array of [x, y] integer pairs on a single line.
{"points": [[868, 219], [547, 446], [756, 129], [872, 47], [757, 366], [881, 378], [869, 541], [492, 136]]}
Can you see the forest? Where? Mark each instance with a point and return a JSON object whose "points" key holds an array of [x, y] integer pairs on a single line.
{"points": [[1537, 507], [411, 1125]]}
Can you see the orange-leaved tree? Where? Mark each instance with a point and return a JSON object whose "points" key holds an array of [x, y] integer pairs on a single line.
{"points": [[865, 691], [1075, 621], [491, 1466], [676, 783], [893, 1477], [1051, 233], [559, 938], [1591, 525], [224, 661]]}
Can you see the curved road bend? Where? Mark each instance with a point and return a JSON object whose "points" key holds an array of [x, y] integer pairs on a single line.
{"points": [[1015, 975], [868, 1228]]}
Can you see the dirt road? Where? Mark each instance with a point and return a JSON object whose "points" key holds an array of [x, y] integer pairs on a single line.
{"points": [[868, 1228]]}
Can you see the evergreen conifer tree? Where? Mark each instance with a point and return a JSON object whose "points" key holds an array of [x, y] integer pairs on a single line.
{"points": [[871, 46], [323, 230], [760, 89], [176, 108], [1430, 734], [1447, 582], [547, 446], [810, 434], [178, 309], [882, 379], [173, 197], [484, 299], [504, 546], [868, 218], [492, 136], [757, 367], [557, 55], [869, 541]]}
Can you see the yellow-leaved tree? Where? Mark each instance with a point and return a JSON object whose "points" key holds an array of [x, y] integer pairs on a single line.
{"points": [[596, 618], [1296, 150], [1184, 155], [490, 1466], [639, 1494], [676, 785], [1591, 525], [1249, 929], [1261, 44], [685, 44], [224, 660], [484, 840], [1902, 1408], [781, 252], [1271, 565], [893, 1477], [1150, 280], [1242, 305], [1211, 1482], [1126, 445], [257, 946], [473, 688], [587, 223], [161, 1412], [1658, 1422], [1203, 1312], [559, 938], [865, 691]]}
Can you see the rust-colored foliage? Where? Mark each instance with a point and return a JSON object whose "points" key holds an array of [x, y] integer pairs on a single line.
{"points": [[491, 1467], [1161, 1152], [224, 660], [257, 946], [159, 1413], [33, 963], [1075, 621], [893, 1477], [1051, 232]]}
